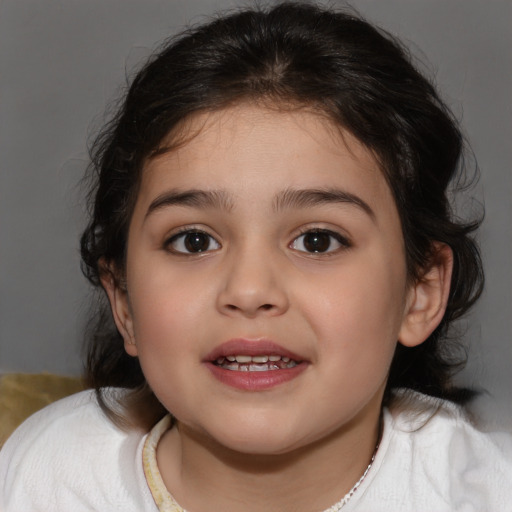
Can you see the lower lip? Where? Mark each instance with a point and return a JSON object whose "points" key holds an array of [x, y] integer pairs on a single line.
{"points": [[255, 381]]}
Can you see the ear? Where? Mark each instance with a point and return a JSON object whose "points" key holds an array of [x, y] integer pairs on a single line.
{"points": [[118, 298], [427, 298]]}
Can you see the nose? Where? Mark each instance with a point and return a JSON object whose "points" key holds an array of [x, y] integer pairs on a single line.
{"points": [[253, 285]]}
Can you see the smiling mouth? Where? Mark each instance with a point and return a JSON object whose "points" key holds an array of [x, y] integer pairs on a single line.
{"points": [[259, 363]]}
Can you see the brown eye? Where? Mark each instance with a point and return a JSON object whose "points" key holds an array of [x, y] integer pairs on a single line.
{"points": [[319, 242], [192, 242]]}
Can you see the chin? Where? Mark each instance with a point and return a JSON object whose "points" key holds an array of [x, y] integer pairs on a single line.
{"points": [[269, 439], [261, 446], [245, 437]]}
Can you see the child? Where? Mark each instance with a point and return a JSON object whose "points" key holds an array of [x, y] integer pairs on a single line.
{"points": [[271, 226]]}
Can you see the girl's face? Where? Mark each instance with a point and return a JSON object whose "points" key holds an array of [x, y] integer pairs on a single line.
{"points": [[266, 280]]}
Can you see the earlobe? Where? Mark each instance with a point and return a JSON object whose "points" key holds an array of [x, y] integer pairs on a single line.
{"points": [[428, 298], [118, 298]]}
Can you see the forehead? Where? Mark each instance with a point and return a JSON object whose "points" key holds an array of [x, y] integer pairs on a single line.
{"points": [[243, 145]]}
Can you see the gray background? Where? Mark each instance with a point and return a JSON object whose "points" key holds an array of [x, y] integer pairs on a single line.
{"points": [[61, 63]]}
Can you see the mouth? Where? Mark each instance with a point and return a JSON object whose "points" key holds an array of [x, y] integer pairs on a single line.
{"points": [[254, 364], [258, 363]]}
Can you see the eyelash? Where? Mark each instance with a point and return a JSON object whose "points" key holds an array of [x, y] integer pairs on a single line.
{"points": [[180, 238], [343, 242], [180, 242]]}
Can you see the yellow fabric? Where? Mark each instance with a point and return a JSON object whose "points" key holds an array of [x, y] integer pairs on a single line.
{"points": [[23, 394], [163, 499]]}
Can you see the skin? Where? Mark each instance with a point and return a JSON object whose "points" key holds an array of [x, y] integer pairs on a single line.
{"points": [[341, 310]]}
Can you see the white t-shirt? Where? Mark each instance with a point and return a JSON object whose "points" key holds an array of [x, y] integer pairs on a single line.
{"points": [[70, 458]]}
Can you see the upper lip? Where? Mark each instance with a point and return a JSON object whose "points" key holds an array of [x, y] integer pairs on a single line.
{"points": [[250, 347]]}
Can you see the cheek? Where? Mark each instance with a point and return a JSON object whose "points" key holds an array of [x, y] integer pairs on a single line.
{"points": [[358, 310], [167, 333], [166, 308]]}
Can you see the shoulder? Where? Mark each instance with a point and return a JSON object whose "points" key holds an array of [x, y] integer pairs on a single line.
{"points": [[71, 408], [73, 422], [423, 422], [69, 455], [433, 458]]}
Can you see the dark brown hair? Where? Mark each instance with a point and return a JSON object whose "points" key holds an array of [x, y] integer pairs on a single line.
{"points": [[291, 54]]}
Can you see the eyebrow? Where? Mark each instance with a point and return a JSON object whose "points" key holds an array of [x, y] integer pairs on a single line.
{"points": [[194, 198], [302, 198], [287, 199]]}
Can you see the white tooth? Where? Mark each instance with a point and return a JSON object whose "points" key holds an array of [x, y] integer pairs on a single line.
{"points": [[233, 366], [220, 360], [243, 359], [231, 358], [291, 364], [258, 367], [273, 367], [259, 359], [243, 368], [274, 358], [285, 359]]}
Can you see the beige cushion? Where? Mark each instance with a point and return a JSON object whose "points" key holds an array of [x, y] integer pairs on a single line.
{"points": [[23, 394]]}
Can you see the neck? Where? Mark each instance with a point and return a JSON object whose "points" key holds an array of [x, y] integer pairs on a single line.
{"points": [[203, 475]]}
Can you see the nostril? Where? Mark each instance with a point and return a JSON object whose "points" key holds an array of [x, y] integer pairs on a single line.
{"points": [[248, 310], [264, 307]]}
